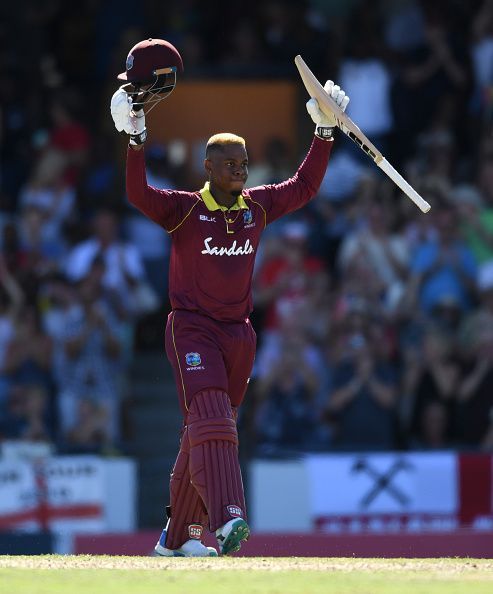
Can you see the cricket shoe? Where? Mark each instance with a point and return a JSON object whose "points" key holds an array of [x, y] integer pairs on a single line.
{"points": [[192, 548], [231, 535]]}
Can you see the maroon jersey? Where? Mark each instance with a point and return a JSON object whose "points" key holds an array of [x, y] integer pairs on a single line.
{"points": [[213, 249]]}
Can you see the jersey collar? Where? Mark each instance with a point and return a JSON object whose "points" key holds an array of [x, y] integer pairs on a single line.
{"points": [[211, 204]]}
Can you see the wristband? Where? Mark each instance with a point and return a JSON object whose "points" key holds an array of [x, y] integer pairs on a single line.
{"points": [[325, 133], [137, 139]]}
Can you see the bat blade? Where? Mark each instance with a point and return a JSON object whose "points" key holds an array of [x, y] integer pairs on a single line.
{"points": [[344, 123]]}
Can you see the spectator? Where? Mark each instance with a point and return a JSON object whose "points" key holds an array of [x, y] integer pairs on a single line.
{"points": [[275, 165], [366, 76], [28, 353], [286, 412], [284, 281], [476, 222], [439, 67], [475, 393], [124, 274], [90, 431], [362, 403], [91, 366], [11, 301], [430, 375], [433, 427], [69, 136], [28, 414], [47, 192], [443, 268], [482, 56], [380, 249]]}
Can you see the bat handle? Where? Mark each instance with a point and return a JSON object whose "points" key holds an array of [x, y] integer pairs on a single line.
{"points": [[397, 178]]}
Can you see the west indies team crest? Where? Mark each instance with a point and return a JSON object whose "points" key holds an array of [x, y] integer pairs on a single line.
{"points": [[247, 217], [193, 359]]}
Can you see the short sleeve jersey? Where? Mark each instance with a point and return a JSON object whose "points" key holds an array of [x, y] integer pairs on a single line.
{"points": [[213, 249]]}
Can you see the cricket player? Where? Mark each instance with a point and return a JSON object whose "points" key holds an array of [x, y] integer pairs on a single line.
{"points": [[210, 342]]}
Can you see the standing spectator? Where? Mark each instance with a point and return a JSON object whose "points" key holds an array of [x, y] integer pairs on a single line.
{"points": [[124, 273], [92, 365], [28, 353], [362, 403], [438, 70], [367, 77], [475, 393], [52, 197], [476, 222], [430, 376], [275, 165], [443, 269], [382, 250], [482, 56], [286, 411], [283, 282], [69, 136], [11, 301]]}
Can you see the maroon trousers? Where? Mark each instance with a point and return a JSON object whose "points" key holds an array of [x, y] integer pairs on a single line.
{"points": [[212, 362]]}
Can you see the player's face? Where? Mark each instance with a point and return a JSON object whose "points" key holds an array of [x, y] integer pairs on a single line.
{"points": [[228, 169]]}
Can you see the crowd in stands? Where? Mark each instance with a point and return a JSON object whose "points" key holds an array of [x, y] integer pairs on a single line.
{"points": [[375, 322]]}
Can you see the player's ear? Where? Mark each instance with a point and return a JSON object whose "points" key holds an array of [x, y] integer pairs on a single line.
{"points": [[208, 167]]}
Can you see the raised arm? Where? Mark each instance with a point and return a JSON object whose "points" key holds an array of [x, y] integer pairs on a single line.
{"points": [[158, 205], [283, 198]]}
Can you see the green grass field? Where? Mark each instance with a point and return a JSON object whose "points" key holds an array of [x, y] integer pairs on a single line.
{"points": [[87, 574]]}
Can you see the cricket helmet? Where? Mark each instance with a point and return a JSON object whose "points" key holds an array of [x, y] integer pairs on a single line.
{"points": [[147, 58], [150, 74]]}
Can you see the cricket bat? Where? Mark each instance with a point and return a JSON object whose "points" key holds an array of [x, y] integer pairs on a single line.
{"points": [[344, 123]]}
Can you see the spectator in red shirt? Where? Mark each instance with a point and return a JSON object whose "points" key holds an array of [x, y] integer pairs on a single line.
{"points": [[69, 137]]}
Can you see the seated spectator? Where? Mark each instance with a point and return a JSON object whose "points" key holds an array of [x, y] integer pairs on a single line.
{"points": [[89, 432], [433, 428], [28, 414]]}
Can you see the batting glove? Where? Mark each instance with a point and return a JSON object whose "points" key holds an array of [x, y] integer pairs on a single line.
{"points": [[126, 119], [325, 124]]}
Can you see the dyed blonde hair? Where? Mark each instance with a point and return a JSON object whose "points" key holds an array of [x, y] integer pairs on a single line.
{"points": [[219, 141]]}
